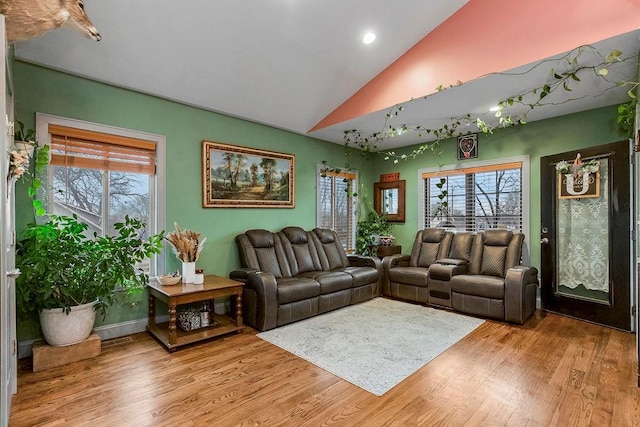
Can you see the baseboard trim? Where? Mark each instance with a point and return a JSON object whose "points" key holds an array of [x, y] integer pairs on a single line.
{"points": [[116, 330], [106, 332]]}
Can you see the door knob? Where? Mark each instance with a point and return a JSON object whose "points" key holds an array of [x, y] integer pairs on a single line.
{"points": [[13, 274], [544, 240]]}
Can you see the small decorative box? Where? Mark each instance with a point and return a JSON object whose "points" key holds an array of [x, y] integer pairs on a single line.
{"points": [[189, 319]]}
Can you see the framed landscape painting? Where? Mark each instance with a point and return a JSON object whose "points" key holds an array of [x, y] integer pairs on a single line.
{"points": [[241, 177]]}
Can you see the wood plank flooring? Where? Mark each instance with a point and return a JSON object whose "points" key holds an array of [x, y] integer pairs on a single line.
{"points": [[553, 371]]}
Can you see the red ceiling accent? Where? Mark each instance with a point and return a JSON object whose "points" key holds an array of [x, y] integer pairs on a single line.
{"points": [[486, 36]]}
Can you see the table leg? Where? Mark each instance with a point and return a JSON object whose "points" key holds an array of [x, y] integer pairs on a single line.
{"points": [[152, 310], [172, 321], [239, 310]]}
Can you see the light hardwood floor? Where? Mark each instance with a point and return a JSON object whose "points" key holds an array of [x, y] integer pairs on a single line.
{"points": [[553, 371]]}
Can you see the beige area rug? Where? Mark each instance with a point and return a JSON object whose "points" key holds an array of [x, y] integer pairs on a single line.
{"points": [[376, 344]]}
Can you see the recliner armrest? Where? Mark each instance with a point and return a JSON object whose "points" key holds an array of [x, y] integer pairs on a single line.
{"points": [[444, 272], [265, 287], [364, 261], [242, 274], [520, 285], [452, 261], [394, 261]]}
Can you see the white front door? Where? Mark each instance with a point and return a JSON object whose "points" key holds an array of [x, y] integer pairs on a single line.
{"points": [[8, 350]]}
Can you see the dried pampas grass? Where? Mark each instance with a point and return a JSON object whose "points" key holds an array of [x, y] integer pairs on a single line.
{"points": [[186, 243]]}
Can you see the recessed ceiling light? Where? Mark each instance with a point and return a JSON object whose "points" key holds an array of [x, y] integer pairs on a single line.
{"points": [[494, 108], [368, 38]]}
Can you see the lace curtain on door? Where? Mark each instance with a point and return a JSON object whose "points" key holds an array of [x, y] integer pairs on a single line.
{"points": [[583, 239]]}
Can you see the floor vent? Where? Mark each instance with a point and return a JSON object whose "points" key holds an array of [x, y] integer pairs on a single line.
{"points": [[116, 341]]}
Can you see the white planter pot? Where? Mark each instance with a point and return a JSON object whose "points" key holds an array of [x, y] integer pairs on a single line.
{"points": [[61, 329], [27, 146]]}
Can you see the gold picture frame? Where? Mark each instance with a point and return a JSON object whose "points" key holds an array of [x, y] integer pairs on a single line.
{"points": [[242, 177]]}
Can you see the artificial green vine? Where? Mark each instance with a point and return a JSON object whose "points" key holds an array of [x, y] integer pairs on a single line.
{"points": [[328, 169], [40, 161], [531, 99]]}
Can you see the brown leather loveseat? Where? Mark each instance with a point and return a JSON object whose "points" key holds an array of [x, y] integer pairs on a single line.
{"points": [[475, 273], [295, 274]]}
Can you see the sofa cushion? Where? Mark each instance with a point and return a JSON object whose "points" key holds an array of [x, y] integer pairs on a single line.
{"points": [[292, 289], [330, 251], [430, 244], [302, 255], [296, 235], [415, 276], [361, 275], [325, 235], [330, 281], [461, 246], [263, 251], [481, 286], [493, 258], [497, 237]]}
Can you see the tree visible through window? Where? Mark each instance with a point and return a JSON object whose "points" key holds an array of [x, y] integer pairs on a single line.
{"points": [[336, 208], [101, 198], [101, 178], [475, 198]]}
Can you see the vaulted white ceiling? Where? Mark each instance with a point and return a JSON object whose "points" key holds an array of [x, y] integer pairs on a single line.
{"points": [[285, 63]]}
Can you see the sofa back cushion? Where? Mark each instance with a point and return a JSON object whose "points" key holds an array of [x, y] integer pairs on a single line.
{"points": [[330, 251], [262, 250], [300, 250], [495, 251], [461, 245], [430, 245]]}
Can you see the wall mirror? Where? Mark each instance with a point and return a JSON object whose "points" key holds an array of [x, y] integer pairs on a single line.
{"points": [[388, 200]]}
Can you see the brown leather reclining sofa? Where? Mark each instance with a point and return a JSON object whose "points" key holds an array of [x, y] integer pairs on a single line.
{"points": [[475, 273], [295, 274]]}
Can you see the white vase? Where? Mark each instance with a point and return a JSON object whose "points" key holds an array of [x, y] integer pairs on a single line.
{"points": [[188, 272], [61, 329], [27, 146]]}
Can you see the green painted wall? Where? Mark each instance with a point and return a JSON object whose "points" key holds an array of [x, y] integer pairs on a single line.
{"points": [[536, 139], [42, 90]]}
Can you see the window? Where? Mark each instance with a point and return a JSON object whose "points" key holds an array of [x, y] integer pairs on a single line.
{"points": [[103, 174], [479, 197], [336, 204]]}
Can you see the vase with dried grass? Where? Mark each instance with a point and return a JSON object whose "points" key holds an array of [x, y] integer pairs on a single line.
{"points": [[187, 246]]}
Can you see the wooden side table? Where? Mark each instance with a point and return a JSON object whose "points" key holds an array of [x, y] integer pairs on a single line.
{"points": [[384, 251], [213, 287]]}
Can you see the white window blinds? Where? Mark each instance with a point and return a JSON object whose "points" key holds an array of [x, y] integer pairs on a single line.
{"points": [[476, 198]]}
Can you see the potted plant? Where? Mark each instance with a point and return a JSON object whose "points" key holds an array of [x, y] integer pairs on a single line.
{"points": [[24, 139], [369, 232], [67, 275]]}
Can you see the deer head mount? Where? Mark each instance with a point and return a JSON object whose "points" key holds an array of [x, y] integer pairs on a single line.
{"points": [[26, 19]]}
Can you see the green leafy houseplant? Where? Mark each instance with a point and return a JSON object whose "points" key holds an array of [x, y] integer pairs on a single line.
{"points": [[40, 161], [366, 233], [22, 134], [63, 267]]}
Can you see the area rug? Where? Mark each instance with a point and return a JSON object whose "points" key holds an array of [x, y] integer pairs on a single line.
{"points": [[376, 344]]}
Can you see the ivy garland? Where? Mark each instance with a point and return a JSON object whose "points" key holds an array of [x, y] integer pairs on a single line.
{"points": [[531, 99]]}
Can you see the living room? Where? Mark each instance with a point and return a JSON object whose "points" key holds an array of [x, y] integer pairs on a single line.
{"points": [[255, 383]]}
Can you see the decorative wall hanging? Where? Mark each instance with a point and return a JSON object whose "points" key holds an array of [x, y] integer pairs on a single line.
{"points": [[26, 19], [468, 146], [578, 179], [241, 177], [393, 176]]}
